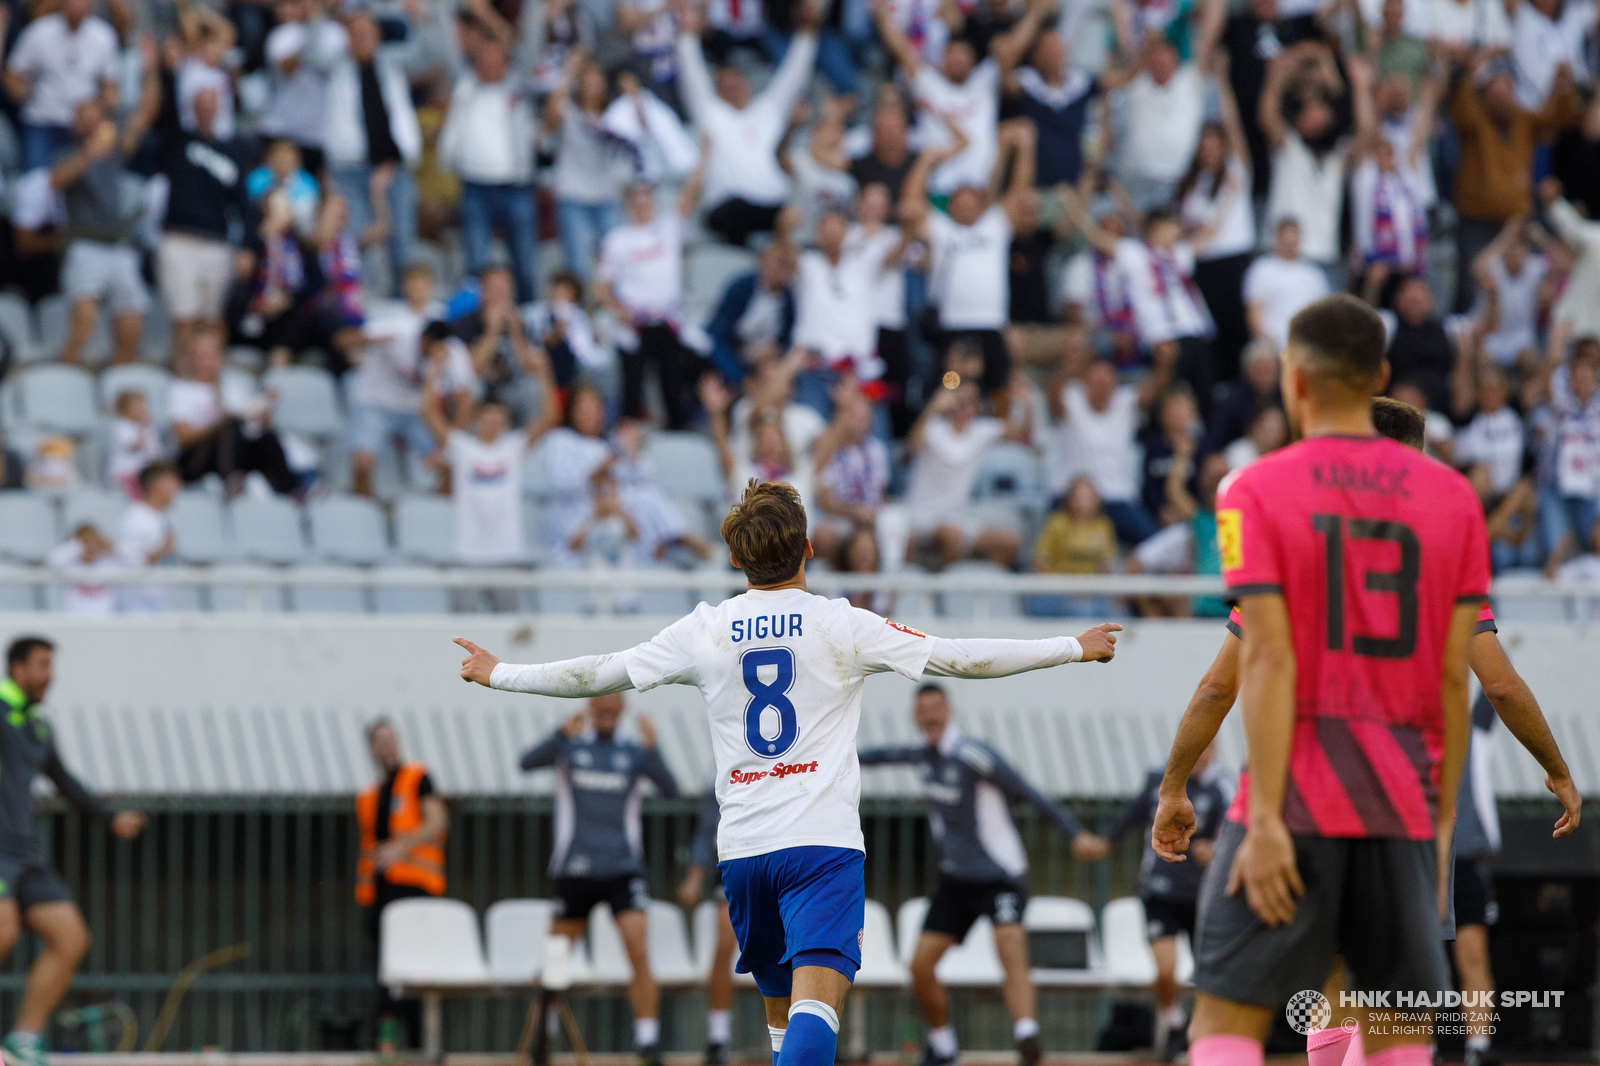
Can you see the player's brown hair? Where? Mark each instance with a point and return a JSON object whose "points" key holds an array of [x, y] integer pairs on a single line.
{"points": [[1343, 339], [1399, 421], [766, 532]]}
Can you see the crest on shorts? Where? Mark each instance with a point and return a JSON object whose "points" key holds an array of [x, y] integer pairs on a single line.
{"points": [[906, 629]]}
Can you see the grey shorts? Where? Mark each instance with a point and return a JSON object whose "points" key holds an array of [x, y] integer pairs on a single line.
{"points": [[1374, 900], [30, 881], [108, 272]]}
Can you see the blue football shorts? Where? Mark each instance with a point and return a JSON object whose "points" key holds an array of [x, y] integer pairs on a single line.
{"points": [[796, 907]]}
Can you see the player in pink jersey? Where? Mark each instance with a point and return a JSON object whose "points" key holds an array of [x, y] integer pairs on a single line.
{"points": [[1507, 693], [1360, 567]]}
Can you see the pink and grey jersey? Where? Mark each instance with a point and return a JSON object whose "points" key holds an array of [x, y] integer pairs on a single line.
{"points": [[1372, 545]]}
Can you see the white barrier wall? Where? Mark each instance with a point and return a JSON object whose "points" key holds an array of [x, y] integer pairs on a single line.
{"points": [[222, 703]]}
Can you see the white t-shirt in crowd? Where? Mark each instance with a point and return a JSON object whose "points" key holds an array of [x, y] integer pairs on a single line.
{"points": [[1282, 287], [1166, 306], [1163, 124], [298, 107], [1539, 45], [974, 108], [1495, 439], [889, 292], [945, 468], [971, 279], [1517, 301], [197, 404], [96, 601], [1400, 131], [835, 303], [134, 446], [1236, 234], [1415, 20], [1479, 23], [1099, 444], [140, 534], [781, 674], [1309, 189], [486, 481], [644, 267], [65, 66], [195, 77], [392, 368]]}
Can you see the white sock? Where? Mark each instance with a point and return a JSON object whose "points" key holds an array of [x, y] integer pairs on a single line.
{"points": [[646, 1031], [777, 1037], [943, 1042], [1174, 1017], [1024, 1028], [819, 1008], [719, 1026], [1478, 1042]]}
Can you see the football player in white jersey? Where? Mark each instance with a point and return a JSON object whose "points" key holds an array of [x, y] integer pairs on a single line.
{"points": [[781, 672]]}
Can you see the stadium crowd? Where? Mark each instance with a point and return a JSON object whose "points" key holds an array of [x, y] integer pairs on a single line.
{"points": [[892, 252]]}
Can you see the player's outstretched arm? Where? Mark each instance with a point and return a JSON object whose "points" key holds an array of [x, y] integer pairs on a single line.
{"points": [[1514, 702], [1086, 846], [892, 756], [588, 675], [986, 657], [1173, 825]]}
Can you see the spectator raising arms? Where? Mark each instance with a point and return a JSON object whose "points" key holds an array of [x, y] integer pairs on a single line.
{"points": [[61, 60], [640, 280], [590, 170], [743, 189]]}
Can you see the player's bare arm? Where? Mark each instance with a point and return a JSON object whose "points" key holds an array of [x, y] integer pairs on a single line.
{"points": [[1457, 735], [1264, 867], [1514, 702], [1173, 824]]}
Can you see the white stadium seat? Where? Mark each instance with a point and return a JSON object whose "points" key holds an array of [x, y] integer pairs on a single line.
{"points": [[1128, 960], [198, 527], [430, 947], [152, 381], [880, 966], [515, 930], [27, 527], [672, 960], [57, 397], [705, 943], [1061, 941], [607, 955], [101, 508], [348, 529], [685, 464], [308, 401], [268, 530], [424, 529]]}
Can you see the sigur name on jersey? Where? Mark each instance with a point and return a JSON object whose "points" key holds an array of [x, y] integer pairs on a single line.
{"points": [[766, 627]]}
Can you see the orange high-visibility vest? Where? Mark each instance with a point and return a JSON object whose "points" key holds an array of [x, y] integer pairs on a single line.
{"points": [[423, 864]]}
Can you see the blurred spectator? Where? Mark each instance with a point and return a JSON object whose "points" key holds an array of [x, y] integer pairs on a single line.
{"points": [[282, 167], [568, 31], [836, 321], [267, 293], [1214, 196], [1512, 524], [206, 206], [1583, 571], [54, 465], [887, 157], [744, 188], [486, 481], [1077, 538], [1577, 312], [135, 441], [1252, 37], [756, 313], [770, 383], [873, 206], [651, 27], [970, 249], [1460, 27], [1494, 437], [105, 205], [1171, 441], [640, 279], [607, 536], [1421, 351], [1095, 290], [297, 108], [946, 445], [145, 538], [1165, 102], [1309, 156], [61, 60], [732, 25], [1188, 544], [1401, 47], [1548, 36], [1268, 432], [861, 554], [206, 37], [1278, 286], [487, 141], [852, 477], [1568, 431], [1511, 274], [386, 400], [769, 458], [371, 129], [1498, 137], [571, 453], [83, 555], [1096, 438], [1438, 435], [820, 171], [13, 468], [664, 536], [220, 430], [962, 93], [38, 225], [1052, 94], [502, 357], [590, 168], [1388, 211], [561, 326]]}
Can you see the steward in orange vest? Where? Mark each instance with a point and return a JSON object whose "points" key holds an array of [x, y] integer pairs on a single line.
{"points": [[403, 826]]}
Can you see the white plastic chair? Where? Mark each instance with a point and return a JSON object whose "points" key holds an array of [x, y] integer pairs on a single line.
{"points": [[424, 529], [57, 397], [705, 944], [268, 531], [973, 963], [880, 966], [431, 947], [1008, 471], [101, 507], [515, 930], [672, 960], [152, 381], [197, 526], [607, 955], [1063, 917], [27, 527], [1128, 960], [308, 401], [349, 530]]}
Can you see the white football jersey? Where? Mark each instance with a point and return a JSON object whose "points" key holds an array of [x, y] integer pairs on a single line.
{"points": [[781, 673]]}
